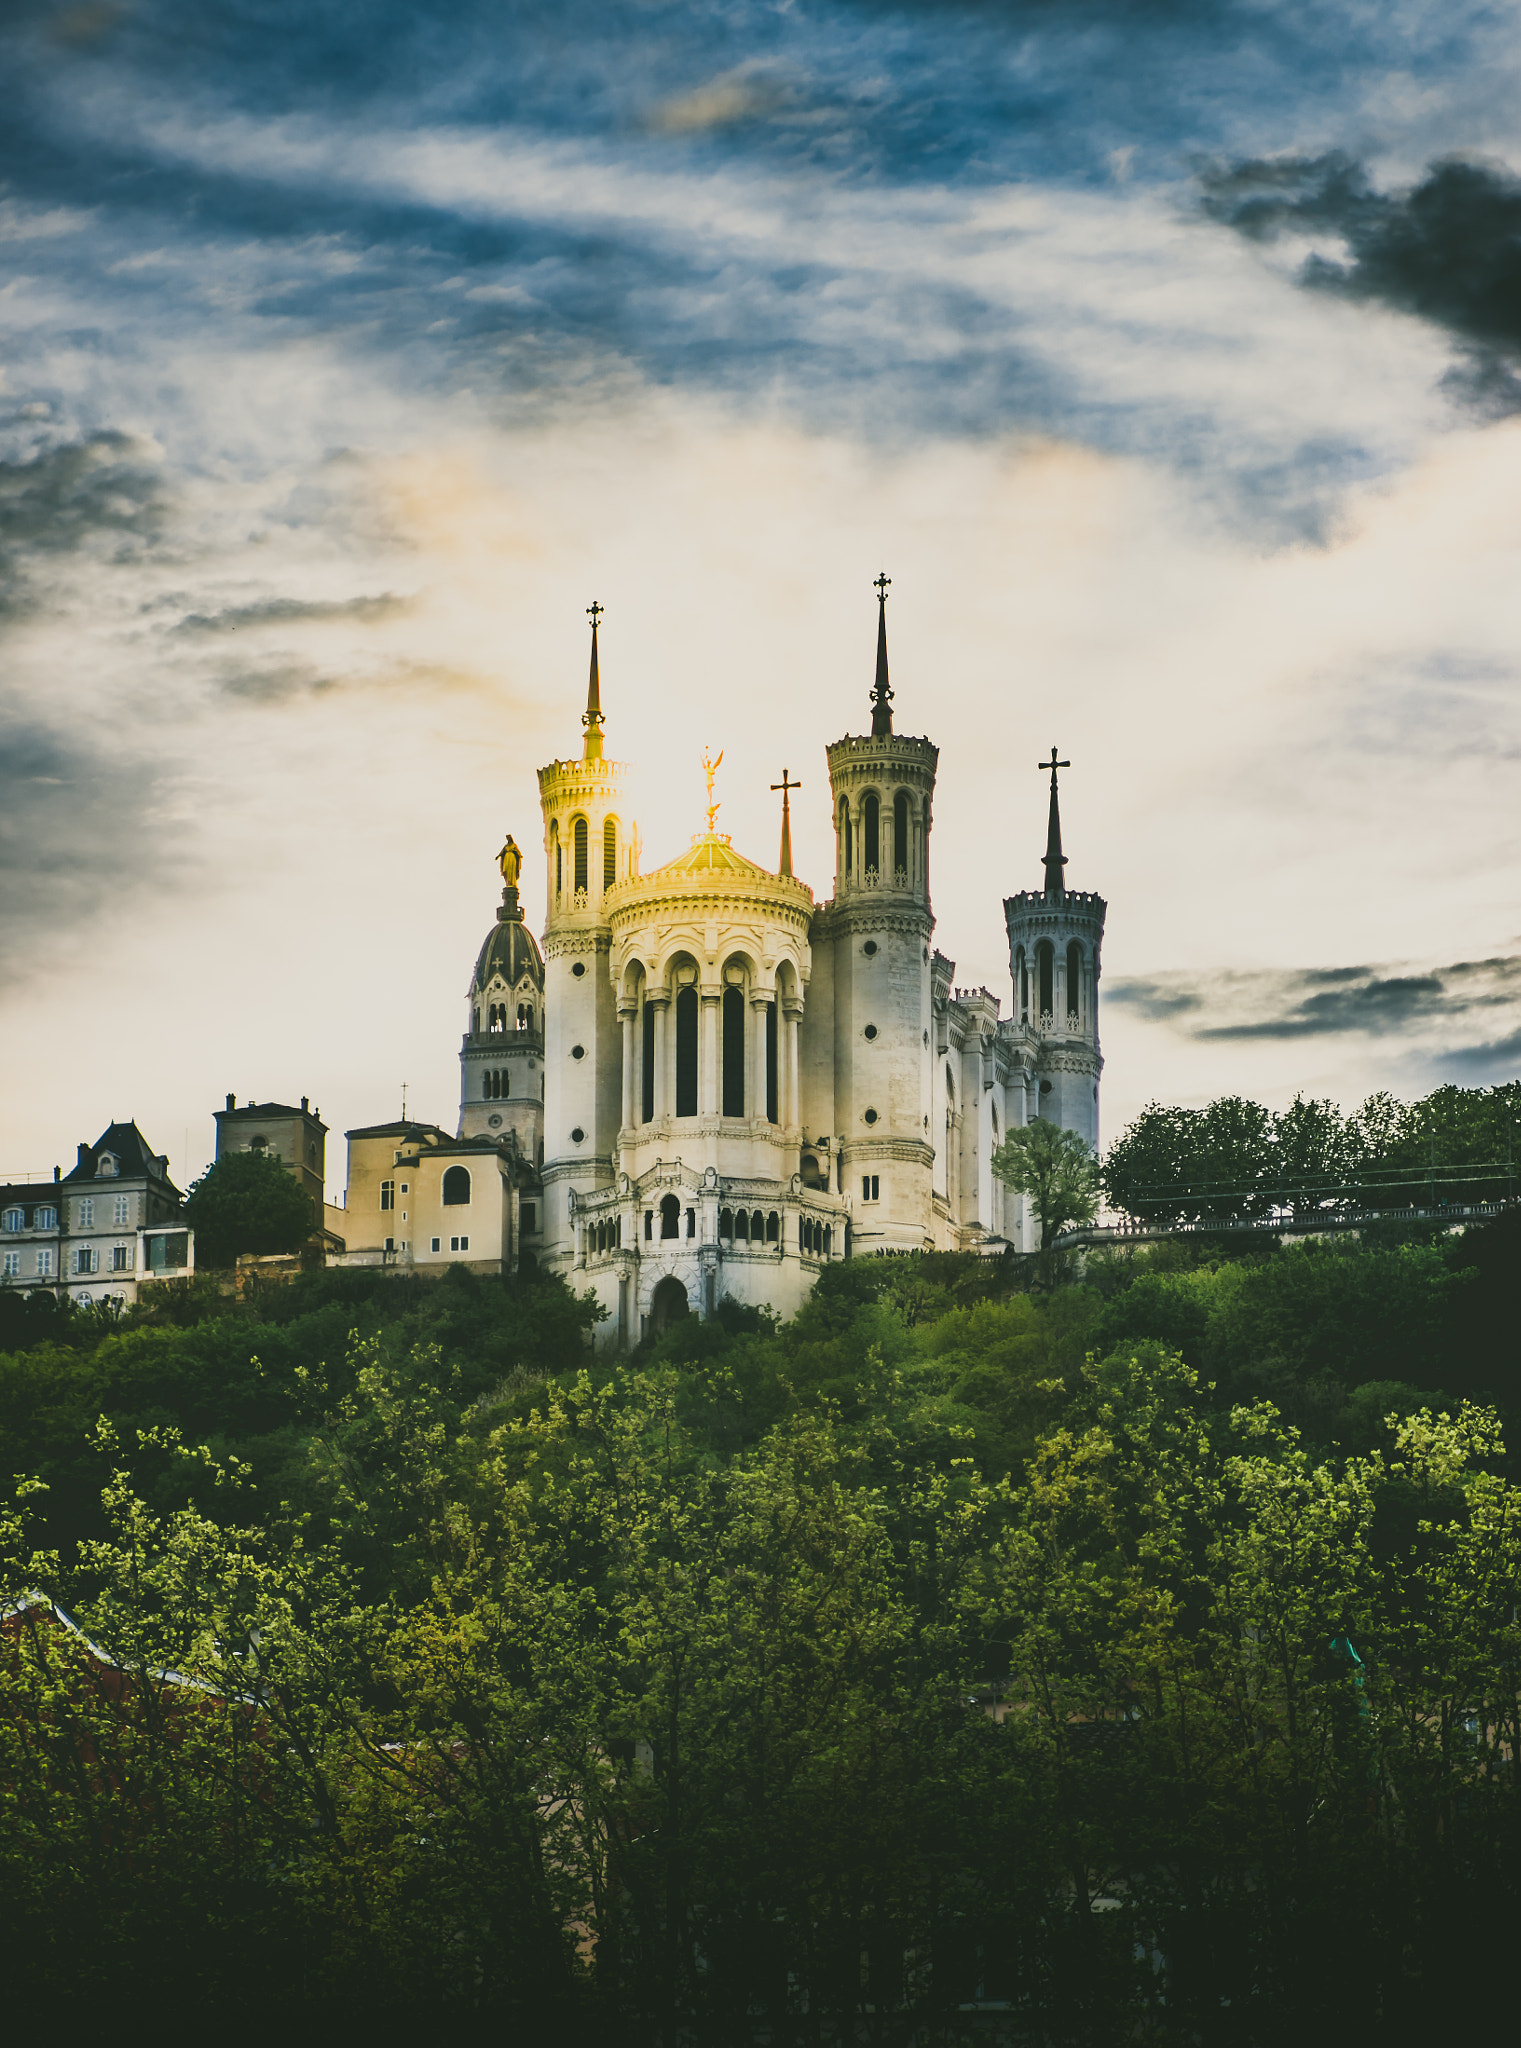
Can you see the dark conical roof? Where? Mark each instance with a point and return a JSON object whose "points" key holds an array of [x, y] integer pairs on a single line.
{"points": [[511, 949]]}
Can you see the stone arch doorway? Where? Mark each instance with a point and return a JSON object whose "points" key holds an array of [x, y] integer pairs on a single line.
{"points": [[668, 1304]]}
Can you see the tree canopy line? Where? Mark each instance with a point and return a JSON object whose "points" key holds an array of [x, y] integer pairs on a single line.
{"points": [[999, 1651]]}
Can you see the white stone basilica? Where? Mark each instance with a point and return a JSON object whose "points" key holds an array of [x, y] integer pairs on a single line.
{"points": [[712, 1085]]}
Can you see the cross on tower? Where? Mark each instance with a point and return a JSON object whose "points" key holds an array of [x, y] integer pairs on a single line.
{"points": [[594, 612], [1050, 767], [882, 586], [786, 786]]}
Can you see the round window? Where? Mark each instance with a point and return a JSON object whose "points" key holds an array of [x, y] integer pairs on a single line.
{"points": [[577, 1135], [870, 1031], [579, 969], [495, 1121], [869, 948], [578, 1052], [871, 1116]]}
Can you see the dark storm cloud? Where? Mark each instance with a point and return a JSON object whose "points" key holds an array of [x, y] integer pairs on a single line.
{"points": [[75, 820], [1447, 250], [285, 611], [1330, 1002], [103, 493]]}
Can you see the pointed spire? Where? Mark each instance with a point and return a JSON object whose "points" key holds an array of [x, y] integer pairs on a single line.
{"points": [[786, 786], [1055, 860], [881, 695], [591, 718]]}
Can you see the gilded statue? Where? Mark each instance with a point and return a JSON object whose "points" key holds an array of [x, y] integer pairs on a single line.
{"points": [[510, 861]]}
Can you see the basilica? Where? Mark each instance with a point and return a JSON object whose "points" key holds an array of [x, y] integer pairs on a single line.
{"points": [[707, 1084]]}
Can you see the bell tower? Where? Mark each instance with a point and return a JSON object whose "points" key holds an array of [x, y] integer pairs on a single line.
{"points": [[882, 787], [1055, 938], [590, 847]]}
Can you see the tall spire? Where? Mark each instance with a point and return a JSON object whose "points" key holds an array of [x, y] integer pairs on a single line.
{"points": [[1055, 860], [591, 718], [881, 695], [786, 786]]}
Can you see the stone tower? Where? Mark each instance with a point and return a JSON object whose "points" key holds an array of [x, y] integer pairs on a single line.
{"points": [[590, 846], [877, 930], [501, 1060], [1055, 937]]}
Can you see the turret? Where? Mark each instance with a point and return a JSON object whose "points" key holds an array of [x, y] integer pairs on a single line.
{"points": [[1055, 938], [502, 1054], [882, 788]]}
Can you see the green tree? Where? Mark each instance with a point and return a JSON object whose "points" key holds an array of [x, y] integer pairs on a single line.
{"points": [[247, 1202], [1055, 1169]]}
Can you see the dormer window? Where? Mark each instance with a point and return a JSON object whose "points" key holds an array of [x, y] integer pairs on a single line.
{"points": [[108, 1167]]}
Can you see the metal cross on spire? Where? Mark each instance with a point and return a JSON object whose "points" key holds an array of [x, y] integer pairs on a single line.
{"points": [[712, 767], [591, 718], [786, 787], [1055, 859], [881, 694]]}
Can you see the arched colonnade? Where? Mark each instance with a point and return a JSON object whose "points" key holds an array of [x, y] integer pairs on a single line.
{"points": [[724, 1048]]}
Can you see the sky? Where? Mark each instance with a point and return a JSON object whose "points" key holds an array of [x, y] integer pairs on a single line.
{"points": [[1166, 356]]}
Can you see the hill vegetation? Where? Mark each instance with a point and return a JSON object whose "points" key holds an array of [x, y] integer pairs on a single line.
{"points": [[1128, 1658]]}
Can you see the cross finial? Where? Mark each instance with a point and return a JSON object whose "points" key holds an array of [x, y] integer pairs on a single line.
{"points": [[786, 786], [594, 612], [1050, 767], [711, 767], [881, 694], [1055, 859], [591, 717], [882, 585]]}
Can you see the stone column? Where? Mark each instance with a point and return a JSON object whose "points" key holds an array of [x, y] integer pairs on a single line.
{"points": [[707, 1096], [662, 1098], [793, 1113], [630, 1017], [755, 1093]]}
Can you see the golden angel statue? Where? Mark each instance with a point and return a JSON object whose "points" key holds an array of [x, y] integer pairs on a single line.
{"points": [[510, 861]]}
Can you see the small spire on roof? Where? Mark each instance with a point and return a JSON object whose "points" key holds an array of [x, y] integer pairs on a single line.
{"points": [[786, 786], [1055, 859], [881, 694], [591, 718]]}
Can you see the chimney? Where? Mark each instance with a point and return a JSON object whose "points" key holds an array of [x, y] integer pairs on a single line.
{"points": [[304, 1105], [232, 1102], [84, 1155], [58, 1173]]}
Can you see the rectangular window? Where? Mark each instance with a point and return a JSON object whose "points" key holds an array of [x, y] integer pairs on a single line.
{"points": [[405, 1188], [530, 1216], [390, 1244], [388, 1194], [771, 1063], [871, 1187], [87, 1259], [459, 1244], [45, 1219], [434, 1243], [84, 1214], [13, 1219], [121, 1258], [647, 1110], [121, 1214], [45, 1262], [12, 1266]]}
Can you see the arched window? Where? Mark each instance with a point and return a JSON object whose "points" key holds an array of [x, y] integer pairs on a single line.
{"points": [[773, 1228], [1074, 978], [647, 1065], [556, 858], [691, 1223], [871, 833], [900, 834], [734, 1052], [1045, 968], [456, 1189], [580, 843], [845, 829], [742, 1225], [828, 1239], [757, 1228], [609, 853], [725, 1223], [924, 842], [1022, 983], [670, 1216], [686, 1052]]}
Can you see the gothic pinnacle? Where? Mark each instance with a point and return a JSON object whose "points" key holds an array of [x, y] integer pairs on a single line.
{"points": [[591, 718], [881, 694]]}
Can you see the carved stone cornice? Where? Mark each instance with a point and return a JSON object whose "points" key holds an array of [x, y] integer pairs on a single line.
{"points": [[855, 915], [576, 939], [913, 1150]]}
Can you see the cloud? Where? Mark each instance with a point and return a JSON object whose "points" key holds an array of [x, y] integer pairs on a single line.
{"points": [[86, 839], [1328, 1003], [1447, 249], [286, 611], [103, 493], [728, 101]]}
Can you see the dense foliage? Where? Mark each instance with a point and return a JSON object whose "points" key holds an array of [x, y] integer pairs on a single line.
{"points": [[1235, 1159], [247, 1202], [1135, 1659]]}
